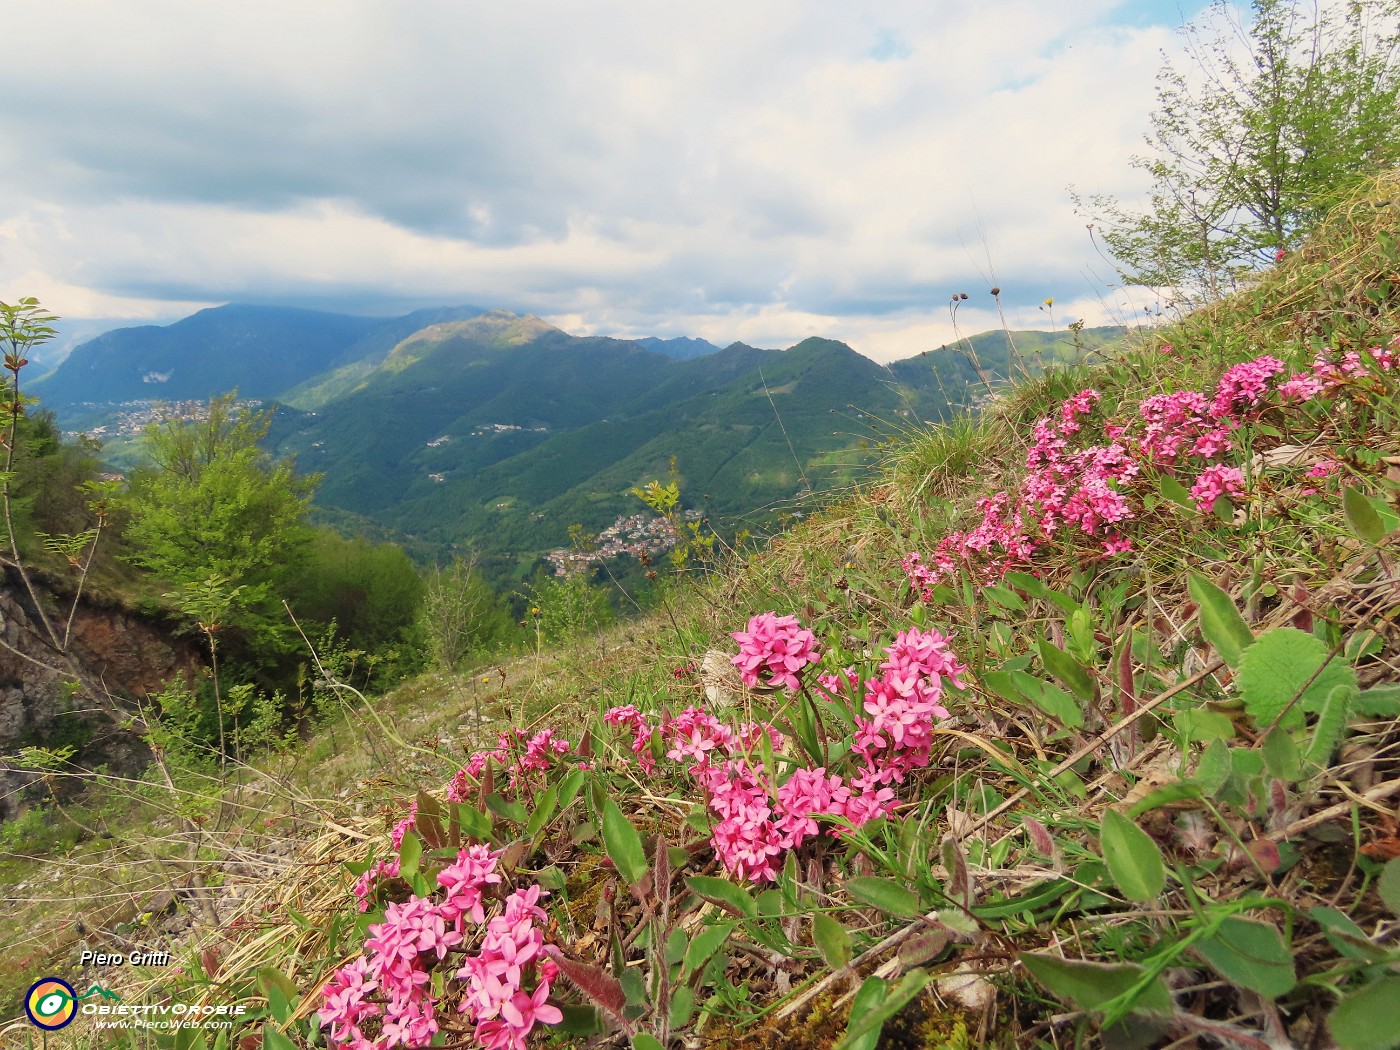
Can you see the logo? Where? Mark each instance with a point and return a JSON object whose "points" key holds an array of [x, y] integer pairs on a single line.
{"points": [[51, 1002]]}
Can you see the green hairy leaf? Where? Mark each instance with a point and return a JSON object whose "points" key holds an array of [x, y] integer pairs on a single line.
{"points": [[1251, 954], [624, 845], [1369, 1018], [1332, 721], [885, 894], [1361, 516], [1133, 859], [1283, 664], [1091, 985], [832, 939], [1221, 623]]}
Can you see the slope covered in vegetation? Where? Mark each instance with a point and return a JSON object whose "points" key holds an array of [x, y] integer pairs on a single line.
{"points": [[1078, 728]]}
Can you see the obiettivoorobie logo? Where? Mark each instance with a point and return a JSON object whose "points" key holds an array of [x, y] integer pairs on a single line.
{"points": [[51, 1002]]}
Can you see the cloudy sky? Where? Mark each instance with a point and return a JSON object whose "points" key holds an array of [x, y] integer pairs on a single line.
{"points": [[734, 170]]}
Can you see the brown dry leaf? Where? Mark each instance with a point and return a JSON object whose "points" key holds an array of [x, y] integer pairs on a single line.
{"points": [[1385, 848]]}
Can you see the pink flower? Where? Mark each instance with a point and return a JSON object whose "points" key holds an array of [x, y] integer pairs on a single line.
{"points": [[523, 1011], [776, 645], [465, 880], [1215, 482], [1243, 386], [347, 1001]]}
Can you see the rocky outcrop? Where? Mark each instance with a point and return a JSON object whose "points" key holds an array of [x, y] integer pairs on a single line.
{"points": [[118, 654]]}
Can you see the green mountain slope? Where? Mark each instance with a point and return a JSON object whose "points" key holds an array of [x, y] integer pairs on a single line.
{"points": [[501, 431], [262, 351]]}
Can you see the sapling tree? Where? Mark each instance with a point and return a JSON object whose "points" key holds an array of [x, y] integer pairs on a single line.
{"points": [[1274, 120], [214, 504], [23, 326]]}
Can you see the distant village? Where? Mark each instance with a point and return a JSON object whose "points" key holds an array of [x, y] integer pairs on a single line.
{"points": [[131, 417], [634, 536]]}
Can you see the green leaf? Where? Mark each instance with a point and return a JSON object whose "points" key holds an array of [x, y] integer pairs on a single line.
{"points": [[1007, 599], [1251, 954], [705, 944], [1281, 757], [1221, 623], [545, 808], [273, 1039], [507, 808], [1133, 859], [1091, 985], [1067, 669], [1165, 796], [1202, 724], [570, 785], [1365, 523], [475, 824], [624, 845], [1380, 701], [1369, 1018], [1347, 937], [726, 894], [833, 939], [770, 904], [873, 1019], [868, 997], [1050, 698], [676, 946], [1214, 768], [1177, 493], [634, 986], [279, 990], [580, 1019], [682, 1007], [646, 1041], [1388, 885], [885, 894], [1032, 585], [410, 852], [1331, 725], [1276, 669]]}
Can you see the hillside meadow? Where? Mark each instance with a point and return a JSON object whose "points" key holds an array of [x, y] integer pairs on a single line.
{"points": [[1075, 726]]}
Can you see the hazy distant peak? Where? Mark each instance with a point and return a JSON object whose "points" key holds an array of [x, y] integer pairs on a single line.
{"points": [[499, 328]]}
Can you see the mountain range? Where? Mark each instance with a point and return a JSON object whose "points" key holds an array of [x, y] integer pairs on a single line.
{"points": [[463, 427]]}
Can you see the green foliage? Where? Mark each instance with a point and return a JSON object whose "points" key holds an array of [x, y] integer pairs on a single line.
{"points": [[1133, 858], [1288, 673], [566, 607], [370, 591], [212, 503], [1249, 150], [1368, 1018], [1252, 954], [461, 616], [1221, 622]]}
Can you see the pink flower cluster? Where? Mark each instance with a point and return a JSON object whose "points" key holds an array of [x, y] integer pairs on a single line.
{"points": [[517, 752], [902, 704], [1080, 489], [643, 732], [390, 985], [1215, 482], [777, 646], [513, 946], [1089, 490], [759, 819], [1331, 370], [365, 886]]}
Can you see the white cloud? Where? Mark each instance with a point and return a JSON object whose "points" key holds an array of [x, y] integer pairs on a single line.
{"points": [[733, 170]]}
